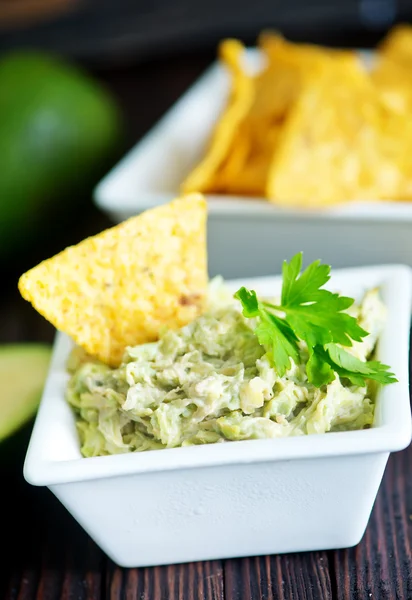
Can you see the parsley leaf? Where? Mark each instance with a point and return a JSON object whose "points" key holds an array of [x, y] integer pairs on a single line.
{"points": [[316, 316], [278, 337], [318, 369], [249, 302], [272, 332], [349, 365]]}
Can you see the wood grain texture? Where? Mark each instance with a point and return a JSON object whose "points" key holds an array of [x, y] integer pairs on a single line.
{"points": [[193, 581], [381, 565], [288, 577]]}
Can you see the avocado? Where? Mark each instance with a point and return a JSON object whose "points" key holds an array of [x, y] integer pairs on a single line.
{"points": [[23, 370], [59, 130]]}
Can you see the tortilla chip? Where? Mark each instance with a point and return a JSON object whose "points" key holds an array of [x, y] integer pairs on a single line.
{"points": [[245, 170], [202, 178], [234, 161], [393, 81], [121, 287], [397, 45], [340, 143], [272, 41], [288, 64], [246, 141], [276, 88]]}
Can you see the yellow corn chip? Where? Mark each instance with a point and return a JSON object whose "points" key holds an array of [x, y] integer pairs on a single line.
{"points": [[202, 178], [245, 170], [393, 81], [397, 45], [287, 64], [119, 288], [276, 87], [340, 143], [272, 41], [249, 153], [233, 162], [246, 139]]}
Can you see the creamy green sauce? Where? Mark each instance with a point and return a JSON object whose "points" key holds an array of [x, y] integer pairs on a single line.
{"points": [[212, 382]]}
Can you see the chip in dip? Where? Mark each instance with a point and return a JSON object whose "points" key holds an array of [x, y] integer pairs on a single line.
{"points": [[213, 382], [122, 286], [154, 367]]}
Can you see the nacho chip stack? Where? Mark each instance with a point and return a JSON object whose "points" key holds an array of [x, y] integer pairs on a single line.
{"points": [[204, 177], [317, 127]]}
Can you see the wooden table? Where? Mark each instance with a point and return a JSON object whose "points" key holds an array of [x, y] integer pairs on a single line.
{"points": [[45, 552]]}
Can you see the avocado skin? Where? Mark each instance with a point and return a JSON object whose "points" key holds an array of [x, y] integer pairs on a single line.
{"points": [[59, 130]]}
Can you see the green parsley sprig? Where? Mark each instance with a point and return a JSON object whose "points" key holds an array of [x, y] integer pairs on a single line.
{"points": [[316, 316]]}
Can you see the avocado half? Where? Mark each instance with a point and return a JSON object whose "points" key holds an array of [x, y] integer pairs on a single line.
{"points": [[23, 370]]}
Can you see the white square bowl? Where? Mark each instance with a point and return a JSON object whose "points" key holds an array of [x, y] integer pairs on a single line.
{"points": [[247, 234], [237, 498]]}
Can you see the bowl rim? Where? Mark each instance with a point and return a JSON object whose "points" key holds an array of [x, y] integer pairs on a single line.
{"points": [[46, 466]]}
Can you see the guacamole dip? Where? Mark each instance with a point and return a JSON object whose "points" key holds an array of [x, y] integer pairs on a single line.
{"points": [[212, 381]]}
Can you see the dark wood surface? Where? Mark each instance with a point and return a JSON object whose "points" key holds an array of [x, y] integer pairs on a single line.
{"points": [[46, 555]]}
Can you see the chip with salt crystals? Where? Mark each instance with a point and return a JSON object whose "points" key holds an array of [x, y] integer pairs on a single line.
{"points": [[121, 287], [341, 142], [202, 178]]}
